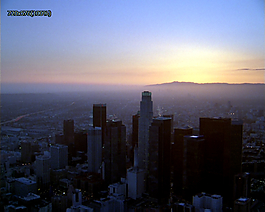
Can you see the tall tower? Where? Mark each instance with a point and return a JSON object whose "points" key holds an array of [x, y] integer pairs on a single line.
{"points": [[158, 185], [81, 140], [59, 156], [177, 157], [135, 177], [26, 151], [193, 164], [135, 129], [242, 185], [114, 151], [99, 118], [223, 152], [43, 170], [145, 120], [68, 131], [94, 149]]}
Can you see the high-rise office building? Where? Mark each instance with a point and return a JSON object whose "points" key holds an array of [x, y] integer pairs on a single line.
{"points": [[223, 153], [177, 157], [158, 182], [172, 120], [68, 130], [207, 202], [81, 140], [135, 177], [43, 164], [145, 120], [193, 165], [242, 204], [236, 146], [242, 185], [24, 186], [94, 149], [59, 138], [180, 207], [59, 156], [99, 118], [114, 151], [135, 129], [26, 152], [134, 138]]}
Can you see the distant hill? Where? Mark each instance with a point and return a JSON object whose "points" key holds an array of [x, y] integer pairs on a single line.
{"points": [[219, 90], [175, 83]]}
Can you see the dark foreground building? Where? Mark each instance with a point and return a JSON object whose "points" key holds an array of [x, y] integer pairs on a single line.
{"points": [[114, 151], [222, 155], [158, 182], [177, 158], [99, 118]]}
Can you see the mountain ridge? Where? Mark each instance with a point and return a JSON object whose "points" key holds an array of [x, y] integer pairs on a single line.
{"points": [[194, 83]]}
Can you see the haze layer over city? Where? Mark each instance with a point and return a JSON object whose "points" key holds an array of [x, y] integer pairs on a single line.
{"points": [[132, 105]]}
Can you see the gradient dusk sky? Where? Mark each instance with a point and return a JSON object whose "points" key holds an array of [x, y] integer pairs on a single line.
{"points": [[134, 42]]}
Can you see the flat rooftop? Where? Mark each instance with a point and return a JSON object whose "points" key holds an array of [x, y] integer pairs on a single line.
{"points": [[25, 181]]}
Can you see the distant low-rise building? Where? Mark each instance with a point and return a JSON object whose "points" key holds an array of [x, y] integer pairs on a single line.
{"points": [[207, 201], [242, 204], [23, 186]]}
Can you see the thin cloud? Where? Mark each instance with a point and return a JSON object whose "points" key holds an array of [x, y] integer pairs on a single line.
{"points": [[251, 69]]}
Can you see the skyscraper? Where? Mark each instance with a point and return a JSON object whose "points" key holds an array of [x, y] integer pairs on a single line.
{"points": [[193, 165], [135, 177], [177, 157], [135, 129], [99, 118], [114, 151], [43, 170], [223, 153], [158, 185], [94, 149], [68, 130], [26, 151], [81, 140], [145, 120], [242, 185], [59, 156]]}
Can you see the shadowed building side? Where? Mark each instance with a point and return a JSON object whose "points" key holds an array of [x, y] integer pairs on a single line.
{"points": [[223, 154], [99, 118], [177, 157], [115, 151], [145, 120], [158, 182]]}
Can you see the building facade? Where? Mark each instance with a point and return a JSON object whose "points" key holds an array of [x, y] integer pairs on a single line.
{"points": [[94, 149], [145, 120], [114, 151], [158, 182], [59, 156]]}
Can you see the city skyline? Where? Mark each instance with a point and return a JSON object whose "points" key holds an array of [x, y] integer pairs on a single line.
{"points": [[133, 42]]}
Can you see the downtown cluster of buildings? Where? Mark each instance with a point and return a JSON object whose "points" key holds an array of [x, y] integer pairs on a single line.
{"points": [[162, 168]]}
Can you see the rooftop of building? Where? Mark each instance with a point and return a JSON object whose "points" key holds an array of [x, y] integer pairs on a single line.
{"points": [[31, 196], [99, 105], [94, 128], [194, 137], [162, 118], [25, 181], [42, 157], [242, 200], [59, 146], [146, 93]]}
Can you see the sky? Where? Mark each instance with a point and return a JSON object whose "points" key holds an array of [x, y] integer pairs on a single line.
{"points": [[133, 42]]}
